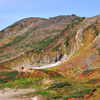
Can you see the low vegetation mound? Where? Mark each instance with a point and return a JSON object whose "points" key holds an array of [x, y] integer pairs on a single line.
{"points": [[87, 72], [51, 73], [6, 76], [95, 80], [80, 94], [59, 85]]}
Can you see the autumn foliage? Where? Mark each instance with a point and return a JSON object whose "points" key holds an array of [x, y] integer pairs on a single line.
{"points": [[87, 74]]}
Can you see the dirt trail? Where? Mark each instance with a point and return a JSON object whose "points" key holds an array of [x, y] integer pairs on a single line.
{"points": [[14, 94]]}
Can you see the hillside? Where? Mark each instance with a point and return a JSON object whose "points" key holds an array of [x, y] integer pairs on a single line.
{"points": [[60, 56]]}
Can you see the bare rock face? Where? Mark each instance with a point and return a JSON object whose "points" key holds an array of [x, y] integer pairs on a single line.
{"points": [[60, 18]]}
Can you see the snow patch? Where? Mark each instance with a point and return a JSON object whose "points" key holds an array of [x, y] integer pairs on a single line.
{"points": [[47, 66]]}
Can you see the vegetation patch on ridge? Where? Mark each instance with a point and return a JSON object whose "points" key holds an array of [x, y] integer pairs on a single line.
{"points": [[17, 39], [59, 85], [87, 71]]}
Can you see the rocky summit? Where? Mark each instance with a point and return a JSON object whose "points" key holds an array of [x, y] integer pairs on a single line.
{"points": [[52, 59]]}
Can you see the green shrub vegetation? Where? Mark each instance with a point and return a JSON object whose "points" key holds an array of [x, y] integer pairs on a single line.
{"points": [[66, 42], [52, 74], [94, 27], [17, 39], [74, 23], [8, 75], [74, 96], [76, 18], [89, 26], [87, 71], [43, 92], [42, 44], [96, 31], [21, 83], [56, 48], [45, 71], [59, 85], [78, 94], [98, 86], [61, 33], [93, 80]]}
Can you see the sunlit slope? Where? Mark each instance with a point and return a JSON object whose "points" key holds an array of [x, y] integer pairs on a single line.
{"points": [[47, 41]]}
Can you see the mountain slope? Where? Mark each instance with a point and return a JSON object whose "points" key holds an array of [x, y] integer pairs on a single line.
{"points": [[70, 42], [44, 41], [33, 36]]}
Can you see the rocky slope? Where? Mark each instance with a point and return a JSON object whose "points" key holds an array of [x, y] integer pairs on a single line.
{"points": [[36, 42], [34, 35], [69, 46]]}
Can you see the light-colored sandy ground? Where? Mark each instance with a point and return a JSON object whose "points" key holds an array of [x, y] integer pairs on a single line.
{"points": [[15, 94], [47, 66]]}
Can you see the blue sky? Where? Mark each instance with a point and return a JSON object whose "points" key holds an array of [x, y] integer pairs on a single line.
{"points": [[14, 10]]}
